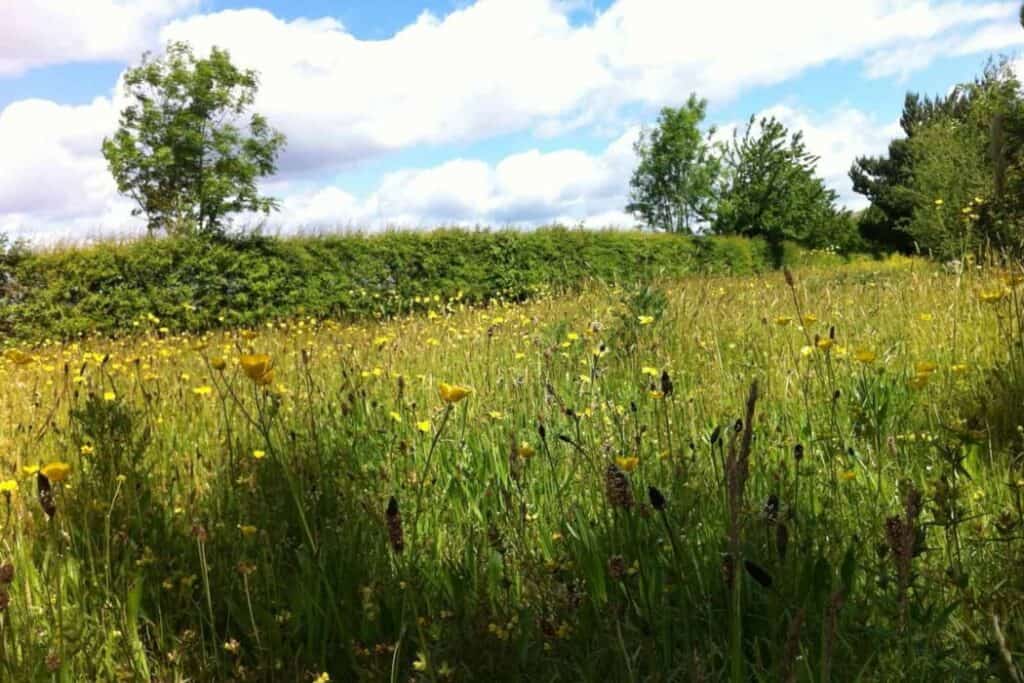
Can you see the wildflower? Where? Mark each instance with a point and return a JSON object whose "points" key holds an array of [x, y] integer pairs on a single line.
{"points": [[648, 370], [926, 317], [655, 394], [421, 662], [525, 450], [938, 202], [56, 471], [259, 455], [865, 356], [86, 449], [109, 396], [29, 470], [323, 678], [824, 343], [18, 357], [496, 415], [925, 367], [645, 319], [8, 486], [806, 350], [258, 368], [247, 529], [627, 464], [848, 475], [453, 393], [204, 390], [218, 364], [810, 319], [958, 368], [423, 426], [783, 320], [991, 296], [395, 416]]}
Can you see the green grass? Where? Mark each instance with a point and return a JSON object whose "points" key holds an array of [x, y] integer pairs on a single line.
{"points": [[855, 521]]}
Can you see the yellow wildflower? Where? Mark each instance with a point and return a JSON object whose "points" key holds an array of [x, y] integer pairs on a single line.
{"points": [[865, 356], [627, 463], [258, 368], [525, 450], [204, 390], [646, 319], [423, 426], [56, 471], [453, 393], [8, 486], [247, 529], [259, 455], [109, 396]]}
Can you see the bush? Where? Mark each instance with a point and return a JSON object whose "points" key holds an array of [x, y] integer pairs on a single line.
{"points": [[196, 283]]}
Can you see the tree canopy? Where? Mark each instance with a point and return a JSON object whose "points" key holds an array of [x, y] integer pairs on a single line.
{"points": [[187, 149]]}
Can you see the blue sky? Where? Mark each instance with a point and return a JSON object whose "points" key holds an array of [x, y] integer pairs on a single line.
{"points": [[415, 113]]}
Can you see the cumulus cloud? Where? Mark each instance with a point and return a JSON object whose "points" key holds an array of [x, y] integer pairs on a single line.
{"points": [[502, 66], [43, 32], [491, 68]]}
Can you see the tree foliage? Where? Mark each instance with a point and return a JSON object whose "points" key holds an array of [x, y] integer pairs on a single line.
{"points": [[187, 150], [770, 188], [671, 187]]}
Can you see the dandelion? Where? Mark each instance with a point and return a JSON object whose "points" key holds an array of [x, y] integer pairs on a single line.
{"points": [[824, 343], [991, 296], [926, 317], [645, 319], [525, 450], [56, 471], [865, 356], [453, 393], [656, 394], [258, 368], [395, 416], [86, 449], [810, 319], [806, 350], [648, 370], [627, 463], [259, 455], [8, 486], [204, 390], [783, 320], [109, 396], [496, 415], [423, 426]]}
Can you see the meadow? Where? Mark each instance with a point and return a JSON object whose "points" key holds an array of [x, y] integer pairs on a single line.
{"points": [[807, 476]]}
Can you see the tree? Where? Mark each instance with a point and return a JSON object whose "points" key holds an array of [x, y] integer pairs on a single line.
{"points": [[672, 185], [185, 149], [769, 188]]}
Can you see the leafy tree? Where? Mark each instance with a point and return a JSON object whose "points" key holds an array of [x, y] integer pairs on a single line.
{"points": [[769, 188], [186, 151], [671, 187], [886, 180]]}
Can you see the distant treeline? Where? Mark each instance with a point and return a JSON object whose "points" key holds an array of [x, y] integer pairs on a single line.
{"points": [[206, 282]]}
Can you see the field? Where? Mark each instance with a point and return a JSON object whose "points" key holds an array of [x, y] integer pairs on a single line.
{"points": [[708, 478]]}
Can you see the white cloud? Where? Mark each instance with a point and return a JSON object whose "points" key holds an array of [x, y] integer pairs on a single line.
{"points": [[44, 32], [491, 68], [501, 66], [524, 189]]}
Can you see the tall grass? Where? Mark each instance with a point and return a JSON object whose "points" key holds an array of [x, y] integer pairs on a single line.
{"points": [[598, 492]]}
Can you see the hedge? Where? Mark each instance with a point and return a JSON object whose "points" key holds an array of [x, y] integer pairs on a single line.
{"points": [[197, 284]]}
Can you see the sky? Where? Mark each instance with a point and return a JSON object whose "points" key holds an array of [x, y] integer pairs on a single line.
{"points": [[415, 113]]}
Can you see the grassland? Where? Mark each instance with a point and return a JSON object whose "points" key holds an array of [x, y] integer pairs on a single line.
{"points": [[612, 499]]}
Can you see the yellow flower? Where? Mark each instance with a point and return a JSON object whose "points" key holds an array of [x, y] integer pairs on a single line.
{"points": [[18, 357], [219, 363], [247, 529], [648, 370], [202, 391], [926, 317], [848, 475], [453, 393], [646, 319], [423, 426], [958, 367], [656, 394], [938, 202], [86, 449], [810, 319], [925, 367], [8, 486], [323, 678], [109, 396], [783, 320], [991, 296], [259, 455], [525, 450], [806, 351], [395, 416], [627, 464], [258, 368], [29, 470], [824, 343], [421, 662], [496, 415], [56, 471], [865, 356]]}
